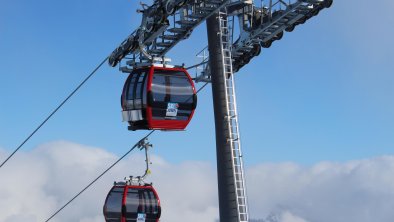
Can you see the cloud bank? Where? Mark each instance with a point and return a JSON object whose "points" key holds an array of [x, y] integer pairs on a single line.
{"points": [[39, 182], [354, 191], [36, 183]]}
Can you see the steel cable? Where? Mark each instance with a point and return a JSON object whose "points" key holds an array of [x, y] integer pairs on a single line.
{"points": [[102, 174], [54, 111]]}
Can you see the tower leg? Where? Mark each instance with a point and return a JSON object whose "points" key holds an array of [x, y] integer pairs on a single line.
{"points": [[227, 197]]}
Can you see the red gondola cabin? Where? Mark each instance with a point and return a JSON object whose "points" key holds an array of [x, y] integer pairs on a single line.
{"points": [[127, 203], [156, 97]]}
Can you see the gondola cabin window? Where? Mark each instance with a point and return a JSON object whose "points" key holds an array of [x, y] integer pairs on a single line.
{"points": [[172, 96], [114, 205]]}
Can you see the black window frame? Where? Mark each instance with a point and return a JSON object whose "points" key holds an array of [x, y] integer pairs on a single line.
{"points": [[117, 214], [134, 82]]}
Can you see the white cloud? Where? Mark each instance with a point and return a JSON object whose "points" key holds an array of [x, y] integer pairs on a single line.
{"points": [[289, 217], [36, 183], [188, 189], [40, 181], [354, 191]]}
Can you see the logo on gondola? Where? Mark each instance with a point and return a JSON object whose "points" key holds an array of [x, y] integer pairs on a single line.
{"points": [[141, 217], [172, 109]]}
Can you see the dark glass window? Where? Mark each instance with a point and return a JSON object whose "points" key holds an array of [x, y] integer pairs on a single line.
{"points": [[133, 204], [141, 201], [139, 91], [149, 201], [132, 200], [170, 86], [153, 201], [136, 90], [171, 89], [159, 87], [144, 92], [181, 89], [130, 90], [113, 206]]}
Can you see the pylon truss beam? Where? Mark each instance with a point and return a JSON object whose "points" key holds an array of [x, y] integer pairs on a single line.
{"points": [[164, 24], [260, 26], [267, 24]]}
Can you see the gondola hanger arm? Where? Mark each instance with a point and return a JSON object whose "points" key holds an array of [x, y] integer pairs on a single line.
{"points": [[143, 145]]}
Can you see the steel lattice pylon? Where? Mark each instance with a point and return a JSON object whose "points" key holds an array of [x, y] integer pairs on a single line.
{"points": [[166, 22]]}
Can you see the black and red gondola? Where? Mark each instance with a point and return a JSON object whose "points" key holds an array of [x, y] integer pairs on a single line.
{"points": [[158, 97], [131, 203]]}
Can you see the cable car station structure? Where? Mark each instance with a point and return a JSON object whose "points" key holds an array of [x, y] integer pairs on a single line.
{"points": [[153, 86]]}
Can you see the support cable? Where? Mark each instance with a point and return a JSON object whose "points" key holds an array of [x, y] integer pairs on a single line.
{"points": [[202, 87], [57, 109], [102, 174], [54, 111]]}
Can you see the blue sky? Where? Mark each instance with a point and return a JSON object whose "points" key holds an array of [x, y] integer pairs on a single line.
{"points": [[316, 114], [324, 92]]}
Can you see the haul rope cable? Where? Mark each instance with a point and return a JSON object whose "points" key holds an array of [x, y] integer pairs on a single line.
{"points": [[102, 174], [54, 111], [60, 106]]}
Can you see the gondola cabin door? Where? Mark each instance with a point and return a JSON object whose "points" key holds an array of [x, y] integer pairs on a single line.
{"points": [[159, 98]]}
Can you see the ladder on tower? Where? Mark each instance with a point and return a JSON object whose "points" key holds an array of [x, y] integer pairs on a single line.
{"points": [[232, 117]]}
